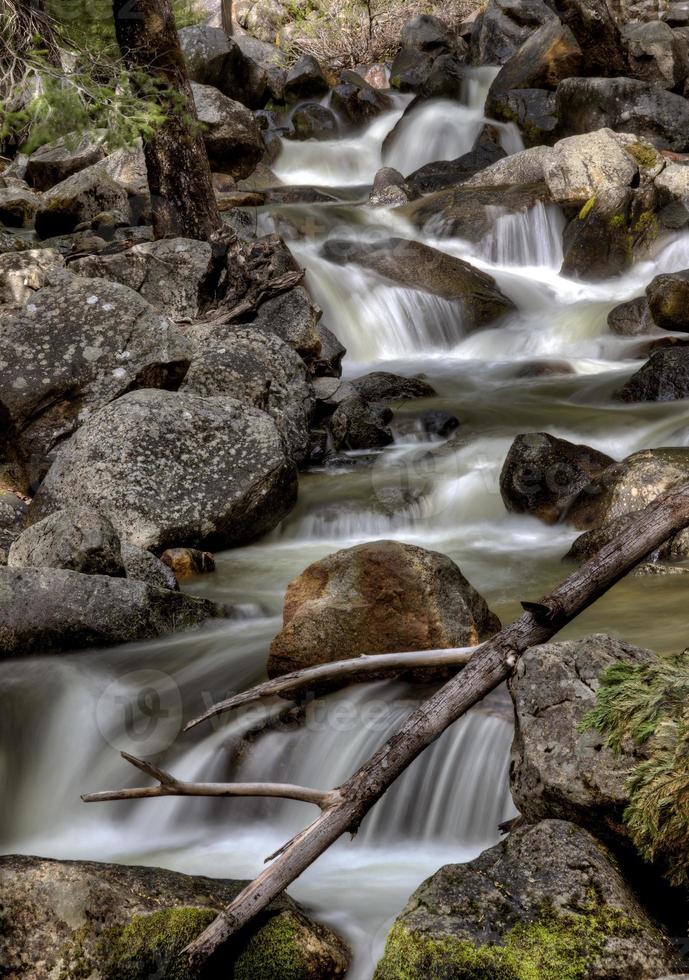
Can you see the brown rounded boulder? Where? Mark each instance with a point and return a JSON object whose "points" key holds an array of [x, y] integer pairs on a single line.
{"points": [[378, 597]]}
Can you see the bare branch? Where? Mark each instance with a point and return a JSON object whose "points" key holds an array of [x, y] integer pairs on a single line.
{"points": [[357, 669]]}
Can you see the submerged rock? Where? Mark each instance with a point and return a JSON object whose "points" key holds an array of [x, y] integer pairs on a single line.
{"points": [[379, 597], [49, 610], [75, 538], [390, 189], [171, 468], [113, 921], [542, 475], [548, 901]]}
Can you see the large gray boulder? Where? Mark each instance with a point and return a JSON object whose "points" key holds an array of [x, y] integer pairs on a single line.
{"points": [[305, 80], [656, 54], [625, 105], [177, 276], [54, 162], [49, 610], [417, 266], [663, 378], [22, 273], [556, 770], [144, 566], [525, 167], [78, 344], [259, 369], [668, 300], [581, 167], [114, 921], [359, 424], [173, 468], [213, 58], [77, 199], [293, 317], [76, 538], [504, 26], [549, 897], [231, 134]]}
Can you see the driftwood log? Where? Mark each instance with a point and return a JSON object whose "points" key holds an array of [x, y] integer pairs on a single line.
{"points": [[344, 808]]}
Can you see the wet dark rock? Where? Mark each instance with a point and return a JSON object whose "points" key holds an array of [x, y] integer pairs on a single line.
{"points": [[18, 205], [269, 58], [115, 921], [49, 610], [557, 770], [258, 369], [632, 319], [418, 266], [625, 105], [357, 101], [360, 424], [77, 345], [533, 110], [672, 188], [544, 369], [504, 26], [304, 194], [549, 893], [656, 54], [597, 32], [379, 597], [293, 317], [231, 134], [446, 79], [590, 542], [56, 161], [426, 33], [390, 189], [542, 475], [215, 59], [76, 538], [171, 469], [77, 199], [145, 567], [329, 363], [329, 393], [385, 387], [305, 80], [439, 423], [188, 562], [668, 300], [410, 69], [663, 378], [446, 173], [629, 486], [313, 121]]}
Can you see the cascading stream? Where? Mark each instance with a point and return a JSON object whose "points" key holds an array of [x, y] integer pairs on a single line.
{"points": [[80, 711]]}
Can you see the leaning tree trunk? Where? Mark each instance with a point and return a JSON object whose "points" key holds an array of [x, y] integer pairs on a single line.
{"points": [[179, 176], [226, 10]]}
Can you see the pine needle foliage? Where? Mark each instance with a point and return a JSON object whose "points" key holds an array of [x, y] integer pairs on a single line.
{"points": [[648, 704]]}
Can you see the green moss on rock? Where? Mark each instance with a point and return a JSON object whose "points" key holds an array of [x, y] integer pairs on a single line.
{"points": [[150, 945], [554, 947], [587, 208], [643, 154], [273, 951]]}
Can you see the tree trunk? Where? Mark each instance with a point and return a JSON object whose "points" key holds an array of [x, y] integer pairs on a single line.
{"points": [[492, 663], [226, 10], [179, 176]]}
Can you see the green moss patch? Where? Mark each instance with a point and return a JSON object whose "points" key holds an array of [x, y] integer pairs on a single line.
{"points": [[643, 154], [587, 208], [272, 952], [150, 945]]}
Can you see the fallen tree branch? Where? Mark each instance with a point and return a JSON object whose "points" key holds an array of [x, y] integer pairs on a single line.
{"points": [[355, 670], [169, 785], [492, 663]]}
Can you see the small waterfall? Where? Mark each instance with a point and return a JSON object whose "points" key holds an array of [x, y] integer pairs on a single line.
{"points": [[528, 238]]}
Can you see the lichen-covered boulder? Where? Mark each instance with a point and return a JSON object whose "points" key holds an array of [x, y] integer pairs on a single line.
{"points": [[231, 133], [54, 162], [656, 54], [360, 424], [580, 167], [557, 770], [379, 597], [178, 276], [50, 610], [172, 468], [548, 902], [417, 266], [663, 378], [75, 538], [542, 474], [146, 567], [628, 486], [116, 922], [76, 345], [259, 369], [77, 199], [293, 317]]}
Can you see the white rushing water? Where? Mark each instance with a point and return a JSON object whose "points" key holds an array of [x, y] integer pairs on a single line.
{"points": [[551, 366]]}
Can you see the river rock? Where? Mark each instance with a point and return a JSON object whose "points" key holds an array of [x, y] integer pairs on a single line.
{"points": [[359, 424], [173, 468], [54, 162], [390, 189], [525, 167], [504, 26], [672, 187], [329, 362], [258, 369], [437, 176], [590, 542], [556, 770], [305, 80], [357, 101], [18, 205], [379, 597], [231, 134], [145, 567], [382, 386], [580, 167], [213, 58], [78, 344], [656, 54], [597, 32], [313, 121], [12, 518], [663, 378], [410, 69], [549, 897], [11, 243], [50, 610], [542, 475], [628, 486], [270, 59], [78, 199], [625, 105], [418, 266], [115, 921], [446, 78], [632, 319], [22, 273], [294, 318], [668, 300], [188, 562], [178, 276], [75, 538], [426, 33]]}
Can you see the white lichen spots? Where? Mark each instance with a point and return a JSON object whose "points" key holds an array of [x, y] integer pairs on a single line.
{"points": [[91, 300], [119, 373], [92, 354], [19, 383]]}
